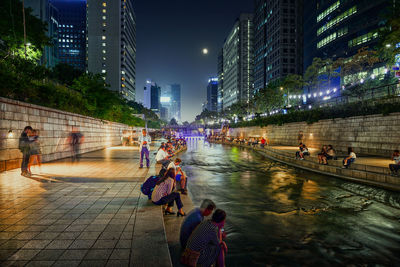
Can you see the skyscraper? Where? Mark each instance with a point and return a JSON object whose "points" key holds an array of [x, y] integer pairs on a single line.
{"points": [[175, 110], [48, 13], [152, 95], [238, 62], [220, 70], [111, 43], [335, 29], [278, 38], [212, 94], [72, 32]]}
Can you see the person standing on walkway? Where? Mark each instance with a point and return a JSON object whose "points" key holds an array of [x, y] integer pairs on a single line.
{"points": [[24, 147], [35, 152], [75, 139], [193, 219], [144, 148]]}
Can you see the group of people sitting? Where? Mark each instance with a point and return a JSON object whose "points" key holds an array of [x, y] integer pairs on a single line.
{"points": [[302, 152], [327, 153]]}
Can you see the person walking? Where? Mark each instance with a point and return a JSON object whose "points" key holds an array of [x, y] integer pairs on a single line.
{"points": [[75, 139], [144, 148], [24, 147]]}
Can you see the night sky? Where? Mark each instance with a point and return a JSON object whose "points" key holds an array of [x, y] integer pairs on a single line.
{"points": [[170, 38]]}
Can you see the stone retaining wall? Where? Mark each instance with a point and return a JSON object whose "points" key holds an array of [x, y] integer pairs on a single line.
{"points": [[371, 175], [369, 135], [54, 126]]}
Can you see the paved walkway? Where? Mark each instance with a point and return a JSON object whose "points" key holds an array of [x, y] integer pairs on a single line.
{"points": [[74, 214]]}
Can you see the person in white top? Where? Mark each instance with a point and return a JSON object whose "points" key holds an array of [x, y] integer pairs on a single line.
{"points": [[182, 185], [162, 193], [350, 158], [162, 157], [394, 168], [144, 148]]}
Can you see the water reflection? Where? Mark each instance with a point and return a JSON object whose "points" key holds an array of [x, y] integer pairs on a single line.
{"points": [[282, 216]]}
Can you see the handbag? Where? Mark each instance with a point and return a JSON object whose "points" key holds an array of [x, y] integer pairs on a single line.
{"points": [[190, 257]]}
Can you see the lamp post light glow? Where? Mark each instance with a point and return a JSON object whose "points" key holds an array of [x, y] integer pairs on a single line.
{"points": [[205, 51]]}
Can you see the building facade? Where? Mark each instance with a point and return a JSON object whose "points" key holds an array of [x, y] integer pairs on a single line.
{"points": [[238, 59], [152, 96], [338, 29], [212, 94], [72, 32], [48, 13], [175, 108], [220, 71], [278, 40], [111, 44]]}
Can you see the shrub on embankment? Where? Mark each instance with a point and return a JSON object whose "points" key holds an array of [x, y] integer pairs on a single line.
{"points": [[81, 93], [382, 106]]}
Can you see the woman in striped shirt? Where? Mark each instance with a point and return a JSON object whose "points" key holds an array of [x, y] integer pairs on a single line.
{"points": [[205, 246], [162, 193]]}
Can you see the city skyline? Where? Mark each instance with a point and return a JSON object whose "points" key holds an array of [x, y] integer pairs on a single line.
{"points": [[171, 52]]}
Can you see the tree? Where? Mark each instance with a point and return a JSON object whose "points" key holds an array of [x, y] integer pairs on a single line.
{"points": [[269, 98], [389, 41], [355, 70], [12, 30], [65, 73], [312, 76], [173, 122]]}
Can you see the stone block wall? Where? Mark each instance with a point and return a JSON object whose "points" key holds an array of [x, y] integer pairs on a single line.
{"points": [[369, 135], [54, 127]]}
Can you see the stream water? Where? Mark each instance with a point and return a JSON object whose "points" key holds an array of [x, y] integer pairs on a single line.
{"points": [[280, 215]]}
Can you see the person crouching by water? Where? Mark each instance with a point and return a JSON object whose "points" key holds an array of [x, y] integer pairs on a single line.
{"points": [[24, 147], [193, 219], [144, 149], [162, 194], [205, 246]]}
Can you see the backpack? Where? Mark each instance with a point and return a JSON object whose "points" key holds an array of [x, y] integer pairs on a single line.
{"points": [[148, 186]]}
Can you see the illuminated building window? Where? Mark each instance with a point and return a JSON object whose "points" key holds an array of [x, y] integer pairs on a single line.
{"points": [[103, 37], [104, 51], [328, 11], [122, 79], [104, 11], [123, 85], [363, 39], [104, 4], [104, 58], [104, 17], [337, 20], [103, 71], [103, 44], [104, 24]]}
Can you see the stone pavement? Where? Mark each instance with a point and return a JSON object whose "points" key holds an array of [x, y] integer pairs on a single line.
{"points": [[77, 214]]}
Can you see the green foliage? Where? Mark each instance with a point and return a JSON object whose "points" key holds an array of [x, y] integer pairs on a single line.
{"points": [[385, 107], [65, 74], [12, 31], [23, 80], [390, 36], [173, 122]]}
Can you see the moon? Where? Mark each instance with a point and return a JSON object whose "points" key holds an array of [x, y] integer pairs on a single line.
{"points": [[205, 51]]}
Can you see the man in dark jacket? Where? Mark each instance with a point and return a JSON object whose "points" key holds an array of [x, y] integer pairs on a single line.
{"points": [[24, 147]]}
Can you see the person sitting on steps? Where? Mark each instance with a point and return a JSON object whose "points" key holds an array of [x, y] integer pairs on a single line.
{"points": [[162, 194], [322, 155], [350, 158], [394, 168], [180, 176], [162, 157], [193, 219]]}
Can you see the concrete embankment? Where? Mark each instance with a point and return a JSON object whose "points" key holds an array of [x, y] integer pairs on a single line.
{"points": [[376, 135], [361, 173]]}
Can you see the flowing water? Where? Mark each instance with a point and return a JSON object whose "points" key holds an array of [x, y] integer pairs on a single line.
{"points": [[280, 215]]}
